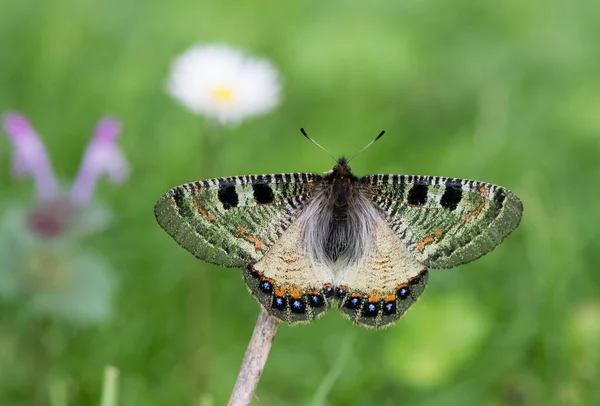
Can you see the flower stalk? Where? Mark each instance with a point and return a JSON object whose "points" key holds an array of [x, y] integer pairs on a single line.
{"points": [[254, 359]]}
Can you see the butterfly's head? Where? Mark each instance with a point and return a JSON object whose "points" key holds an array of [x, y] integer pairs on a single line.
{"points": [[341, 170]]}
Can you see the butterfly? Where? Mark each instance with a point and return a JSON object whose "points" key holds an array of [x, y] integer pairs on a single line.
{"points": [[307, 242]]}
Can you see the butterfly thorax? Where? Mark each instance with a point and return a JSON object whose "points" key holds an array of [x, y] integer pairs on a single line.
{"points": [[341, 186], [338, 219]]}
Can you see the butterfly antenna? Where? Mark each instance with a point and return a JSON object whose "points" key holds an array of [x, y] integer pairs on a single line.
{"points": [[317, 144], [368, 145]]}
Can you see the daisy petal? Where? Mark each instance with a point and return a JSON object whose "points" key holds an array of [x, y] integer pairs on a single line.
{"points": [[223, 84]]}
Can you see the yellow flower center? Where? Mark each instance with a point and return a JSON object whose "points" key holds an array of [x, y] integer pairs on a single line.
{"points": [[223, 94]]}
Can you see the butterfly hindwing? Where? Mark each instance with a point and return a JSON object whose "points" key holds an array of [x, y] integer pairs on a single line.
{"points": [[287, 284], [379, 289], [445, 222], [233, 221]]}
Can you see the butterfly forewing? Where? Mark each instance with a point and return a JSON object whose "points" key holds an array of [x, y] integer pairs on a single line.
{"points": [[233, 221], [445, 222]]}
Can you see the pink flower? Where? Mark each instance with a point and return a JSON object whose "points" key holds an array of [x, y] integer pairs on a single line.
{"points": [[102, 156], [30, 157]]}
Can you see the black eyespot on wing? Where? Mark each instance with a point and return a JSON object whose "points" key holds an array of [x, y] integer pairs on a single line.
{"points": [[266, 286], [340, 291], [178, 196], [228, 196], [417, 195], [389, 308], [452, 196], [315, 300], [297, 306], [327, 290], [263, 194], [499, 198], [352, 302], [403, 292], [278, 303], [370, 309]]}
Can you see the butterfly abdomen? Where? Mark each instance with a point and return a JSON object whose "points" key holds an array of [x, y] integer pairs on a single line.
{"points": [[338, 233]]}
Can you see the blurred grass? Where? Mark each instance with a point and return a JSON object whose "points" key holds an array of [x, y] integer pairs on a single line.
{"points": [[504, 92]]}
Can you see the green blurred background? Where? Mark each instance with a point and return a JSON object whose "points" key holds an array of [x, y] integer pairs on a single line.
{"points": [[506, 92]]}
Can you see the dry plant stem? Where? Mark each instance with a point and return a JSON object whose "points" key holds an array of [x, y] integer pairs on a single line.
{"points": [[254, 360]]}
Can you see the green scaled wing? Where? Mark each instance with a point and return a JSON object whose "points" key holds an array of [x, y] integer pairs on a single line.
{"points": [[233, 221], [445, 222]]}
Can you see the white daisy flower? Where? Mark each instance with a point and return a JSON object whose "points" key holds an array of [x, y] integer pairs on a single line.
{"points": [[223, 83]]}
